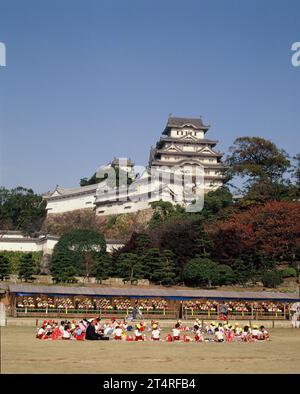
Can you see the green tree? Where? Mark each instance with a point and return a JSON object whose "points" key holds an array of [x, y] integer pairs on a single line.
{"points": [[27, 267], [103, 267], [129, 267], [186, 238], [151, 262], [216, 201], [244, 269], [263, 165], [21, 209], [167, 271], [271, 279], [297, 169], [5, 268], [201, 271], [226, 275], [257, 158], [63, 267], [82, 248]]}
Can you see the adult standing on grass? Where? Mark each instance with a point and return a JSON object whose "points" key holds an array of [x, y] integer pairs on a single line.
{"points": [[223, 311]]}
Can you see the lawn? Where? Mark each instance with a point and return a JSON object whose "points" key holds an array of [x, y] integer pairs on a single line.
{"points": [[21, 352]]}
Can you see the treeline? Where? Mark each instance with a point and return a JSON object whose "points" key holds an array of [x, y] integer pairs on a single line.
{"points": [[23, 264], [250, 245], [21, 210]]}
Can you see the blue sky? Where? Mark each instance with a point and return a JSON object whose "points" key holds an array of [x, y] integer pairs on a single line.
{"points": [[89, 80]]}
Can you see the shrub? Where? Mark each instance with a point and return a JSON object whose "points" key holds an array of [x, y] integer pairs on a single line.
{"points": [[289, 272], [271, 278]]}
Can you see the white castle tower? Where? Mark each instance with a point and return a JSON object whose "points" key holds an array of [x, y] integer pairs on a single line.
{"points": [[184, 143]]}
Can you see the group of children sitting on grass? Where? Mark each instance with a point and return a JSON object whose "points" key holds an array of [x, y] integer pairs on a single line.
{"points": [[94, 329]]}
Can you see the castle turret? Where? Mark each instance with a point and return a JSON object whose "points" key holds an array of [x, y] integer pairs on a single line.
{"points": [[183, 143]]}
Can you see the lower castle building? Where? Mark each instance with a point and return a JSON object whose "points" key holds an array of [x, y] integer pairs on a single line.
{"points": [[182, 149]]}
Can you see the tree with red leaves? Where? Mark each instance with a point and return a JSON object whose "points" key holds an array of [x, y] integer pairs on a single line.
{"points": [[270, 231]]}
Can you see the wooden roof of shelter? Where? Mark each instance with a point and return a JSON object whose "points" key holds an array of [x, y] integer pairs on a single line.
{"points": [[153, 292]]}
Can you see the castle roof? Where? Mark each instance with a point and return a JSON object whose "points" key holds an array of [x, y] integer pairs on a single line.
{"points": [[63, 192], [196, 123]]}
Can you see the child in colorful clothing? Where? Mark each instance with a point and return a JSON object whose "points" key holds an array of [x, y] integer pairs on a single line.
{"points": [[198, 334], [118, 333], [40, 333], [138, 333], [229, 334], [176, 332], [264, 334], [67, 333], [246, 334], [155, 334], [78, 334], [256, 333], [219, 336]]}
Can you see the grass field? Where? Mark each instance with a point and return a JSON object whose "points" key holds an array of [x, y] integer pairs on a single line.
{"points": [[22, 353]]}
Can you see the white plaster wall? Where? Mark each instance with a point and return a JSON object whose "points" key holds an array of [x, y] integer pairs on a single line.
{"points": [[182, 132], [21, 246], [70, 204], [117, 209], [46, 247]]}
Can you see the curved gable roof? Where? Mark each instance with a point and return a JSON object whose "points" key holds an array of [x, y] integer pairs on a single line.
{"points": [[196, 123]]}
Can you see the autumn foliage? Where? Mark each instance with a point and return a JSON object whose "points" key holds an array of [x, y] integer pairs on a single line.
{"points": [[271, 230]]}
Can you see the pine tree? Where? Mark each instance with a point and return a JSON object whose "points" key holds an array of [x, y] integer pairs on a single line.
{"points": [[27, 267], [167, 272], [151, 262], [129, 267], [5, 268], [62, 267], [103, 267]]}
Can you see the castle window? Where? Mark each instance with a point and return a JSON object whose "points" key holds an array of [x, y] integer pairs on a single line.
{"points": [[101, 211], [128, 207]]}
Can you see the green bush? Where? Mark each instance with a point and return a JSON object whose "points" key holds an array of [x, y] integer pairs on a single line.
{"points": [[289, 272], [271, 278]]}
